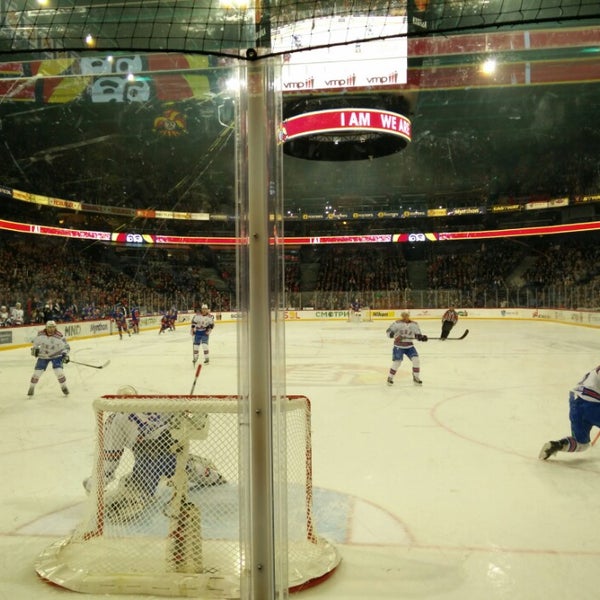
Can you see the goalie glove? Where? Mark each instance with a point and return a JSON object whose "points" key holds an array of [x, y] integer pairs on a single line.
{"points": [[35, 352], [202, 472]]}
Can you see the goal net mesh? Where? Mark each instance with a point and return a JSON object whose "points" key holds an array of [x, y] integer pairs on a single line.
{"points": [[360, 316], [163, 514], [231, 27]]}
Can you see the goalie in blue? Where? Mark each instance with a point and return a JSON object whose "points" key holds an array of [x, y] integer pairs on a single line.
{"points": [[149, 437]]}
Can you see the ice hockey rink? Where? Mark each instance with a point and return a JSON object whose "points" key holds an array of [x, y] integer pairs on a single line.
{"points": [[427, 492]]}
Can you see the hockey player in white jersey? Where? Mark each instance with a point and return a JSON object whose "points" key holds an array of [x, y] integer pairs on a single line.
{"points": [[584, 413], [404, 332], [16, 314], [50, 347], [202, 325], [148, 436]]}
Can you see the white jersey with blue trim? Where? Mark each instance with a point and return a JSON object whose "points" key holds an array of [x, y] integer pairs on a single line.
{"points": [[203, 323], [589, 387], [51, 345], [403, 332]]}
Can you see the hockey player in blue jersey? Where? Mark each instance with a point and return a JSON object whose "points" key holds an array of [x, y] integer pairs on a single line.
{"points": [[355, 305], [202, 325], [135, 319], [355, 310], [164, 323], [172, 318], [120, 318], [50, 347], [404, 332], [584, 413]]}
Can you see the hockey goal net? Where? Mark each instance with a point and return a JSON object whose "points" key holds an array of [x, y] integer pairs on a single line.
{"points": [[163, 516], [359, 316]]}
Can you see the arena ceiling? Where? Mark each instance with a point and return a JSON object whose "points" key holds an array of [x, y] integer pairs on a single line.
{"points": [[528, 127]]}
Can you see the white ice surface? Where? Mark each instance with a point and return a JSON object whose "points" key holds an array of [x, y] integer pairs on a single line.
{"points": [[442, 493]]}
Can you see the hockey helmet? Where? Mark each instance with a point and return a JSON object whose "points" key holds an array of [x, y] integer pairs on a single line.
{"points": [[50, 324], [126, 390]]}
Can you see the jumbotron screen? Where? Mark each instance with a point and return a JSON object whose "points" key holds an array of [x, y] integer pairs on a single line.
{"points": [[344, 66]]}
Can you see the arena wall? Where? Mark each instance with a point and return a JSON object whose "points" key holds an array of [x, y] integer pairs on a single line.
{"points": [[18, 337]]}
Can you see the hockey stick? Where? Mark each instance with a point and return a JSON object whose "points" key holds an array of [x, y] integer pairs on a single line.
{"points": [[462, 337], [198, 368], [596, 438], [92, 366]]}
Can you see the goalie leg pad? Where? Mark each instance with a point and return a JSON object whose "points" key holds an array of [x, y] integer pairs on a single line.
{"points": [[127, 502], [127, 507]]}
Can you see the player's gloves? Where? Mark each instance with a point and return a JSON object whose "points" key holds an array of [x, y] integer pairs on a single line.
{"points": [[391, 334], [421, 337], [65, 358], [35, 352]]}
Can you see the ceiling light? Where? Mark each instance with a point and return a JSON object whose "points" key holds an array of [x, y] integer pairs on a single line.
{"points": [[488, 67]]}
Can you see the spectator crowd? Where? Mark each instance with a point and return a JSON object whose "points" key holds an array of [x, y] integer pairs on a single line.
{"points": [[68, 280]]}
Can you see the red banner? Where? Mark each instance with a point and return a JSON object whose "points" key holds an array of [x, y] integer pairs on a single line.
{"points": [[345, 120]]}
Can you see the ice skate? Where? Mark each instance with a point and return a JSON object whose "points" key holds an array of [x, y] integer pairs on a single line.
{"points": [[548, 449], [206, 361], [417, 380], [30, 390], [65, 390], [390, 381]]}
